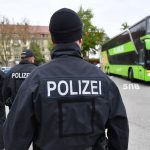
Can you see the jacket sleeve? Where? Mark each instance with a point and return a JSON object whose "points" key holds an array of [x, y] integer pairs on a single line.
{"points": [[19, 125], [6, 91], [2, 77], [2, 103], [2, 111], [118, 129]]}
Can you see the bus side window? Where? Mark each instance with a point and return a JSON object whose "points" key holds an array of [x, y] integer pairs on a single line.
{"points": [[141, 57]]}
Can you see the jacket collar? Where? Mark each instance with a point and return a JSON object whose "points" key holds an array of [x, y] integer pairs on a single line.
{"points": [[24, 62], [69, 49]]}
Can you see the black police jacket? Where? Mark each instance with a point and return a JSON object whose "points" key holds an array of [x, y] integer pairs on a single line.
{"points": [[2, 109], [2, 104], [67, 104], [14, 79]]}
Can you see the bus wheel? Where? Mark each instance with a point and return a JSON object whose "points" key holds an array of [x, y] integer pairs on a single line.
{"points": [[130, 75]]}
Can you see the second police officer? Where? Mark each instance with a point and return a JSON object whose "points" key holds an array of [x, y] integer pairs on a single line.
{"points": [[68, 103], [17, 75]]}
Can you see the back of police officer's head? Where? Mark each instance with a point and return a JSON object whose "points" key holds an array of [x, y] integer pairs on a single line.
{"points": [[65, 27], [28, 55]]}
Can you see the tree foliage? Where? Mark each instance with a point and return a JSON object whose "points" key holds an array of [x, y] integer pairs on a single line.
{"points": [[93, 37], [124, 26], [50, 46], [34, 46]]}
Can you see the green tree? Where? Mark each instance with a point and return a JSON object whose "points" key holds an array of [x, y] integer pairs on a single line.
{"points": [[50, 46], [92, 36], [36, 50], [124, 26]]}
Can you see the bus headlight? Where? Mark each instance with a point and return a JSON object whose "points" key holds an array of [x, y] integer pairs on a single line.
{"points": [[148, 72]]}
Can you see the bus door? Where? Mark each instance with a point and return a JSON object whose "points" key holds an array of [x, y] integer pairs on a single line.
{"points": [[141, 70]]}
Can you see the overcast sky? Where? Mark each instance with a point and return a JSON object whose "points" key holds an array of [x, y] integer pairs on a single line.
{"points": [[108, 14]]}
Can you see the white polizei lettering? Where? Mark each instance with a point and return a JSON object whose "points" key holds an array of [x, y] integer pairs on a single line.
{"points": [[20, 75], [100, 88], [66, 88], [13, 75], [25, 75], [94, 87], [84, 91], [28, 74], [79, 84], [16, 75], [51, 86], [71, 89]]}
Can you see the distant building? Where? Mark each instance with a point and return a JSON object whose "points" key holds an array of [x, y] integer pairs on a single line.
{"points": [[42, 36], [14, 38]]}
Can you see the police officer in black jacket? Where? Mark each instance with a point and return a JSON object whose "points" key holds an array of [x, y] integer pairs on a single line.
{"points": [[2, 110], [68, 103], [17, 75]]}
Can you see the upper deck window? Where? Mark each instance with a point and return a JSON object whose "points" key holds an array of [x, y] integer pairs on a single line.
{"points": [[148, 25]]}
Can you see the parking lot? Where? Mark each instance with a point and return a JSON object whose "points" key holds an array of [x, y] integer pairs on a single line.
{"points": [[136, 97]]}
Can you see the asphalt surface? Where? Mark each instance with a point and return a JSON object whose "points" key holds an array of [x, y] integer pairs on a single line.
{"points": [[136, 97]]}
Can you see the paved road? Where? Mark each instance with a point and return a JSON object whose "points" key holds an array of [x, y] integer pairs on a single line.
{"points": [[136, 98]]}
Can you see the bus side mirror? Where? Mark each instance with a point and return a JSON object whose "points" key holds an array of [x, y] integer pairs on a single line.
{"points": [[147, 44]]}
